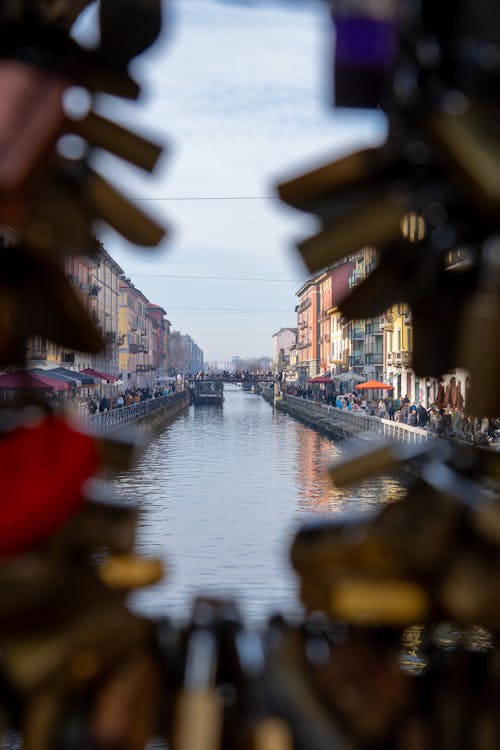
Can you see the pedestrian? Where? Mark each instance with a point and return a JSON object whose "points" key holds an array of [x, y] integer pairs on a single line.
{"points": [[92, 406], [422, 416], [103, 405]]}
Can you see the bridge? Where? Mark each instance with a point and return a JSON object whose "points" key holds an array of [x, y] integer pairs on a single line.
{"points": [[242, 377]]}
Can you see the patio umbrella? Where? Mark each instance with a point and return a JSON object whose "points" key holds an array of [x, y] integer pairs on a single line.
{"points": [[373, 385]]}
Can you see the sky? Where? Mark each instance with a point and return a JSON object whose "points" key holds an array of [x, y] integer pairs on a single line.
{"points": [[239, 92]]}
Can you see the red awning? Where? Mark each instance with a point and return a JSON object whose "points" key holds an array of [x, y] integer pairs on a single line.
{"points": [[319, 379], [100, 375], [14, 381]]}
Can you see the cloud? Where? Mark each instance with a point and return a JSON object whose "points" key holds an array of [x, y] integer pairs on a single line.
{"points": [[238, 92]]}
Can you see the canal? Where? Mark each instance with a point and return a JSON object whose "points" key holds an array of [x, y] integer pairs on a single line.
{"points": [[222, 490]]}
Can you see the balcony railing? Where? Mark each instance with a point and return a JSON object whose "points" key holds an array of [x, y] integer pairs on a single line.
{"points": [[304, 305], [357, 333], [402, 359], [375, 358], [110, 336], [356, 361], [387, 322]]}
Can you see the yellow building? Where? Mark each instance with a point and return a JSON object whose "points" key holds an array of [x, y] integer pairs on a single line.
{"points": [[396, 324]]}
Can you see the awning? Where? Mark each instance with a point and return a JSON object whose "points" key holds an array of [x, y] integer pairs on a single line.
{"points": [[100, 375], [319, 379], [54, 375], [14, 381], [80, 376]]}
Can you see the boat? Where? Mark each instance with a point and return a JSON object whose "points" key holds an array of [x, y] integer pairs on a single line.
{"points": [[206, 391]]}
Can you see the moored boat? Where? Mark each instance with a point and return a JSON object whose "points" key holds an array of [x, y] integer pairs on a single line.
{"points": [[206, 392]]}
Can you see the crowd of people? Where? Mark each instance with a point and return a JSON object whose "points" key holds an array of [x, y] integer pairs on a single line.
{"points": [[127, 398], [449, 421]]}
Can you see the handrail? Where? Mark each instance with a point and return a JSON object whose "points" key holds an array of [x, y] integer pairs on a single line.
{"points": [[386, 427], [109, 420]]}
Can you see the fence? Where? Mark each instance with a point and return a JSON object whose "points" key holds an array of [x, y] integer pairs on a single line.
{"points": [[110, 420], [386, 427]]}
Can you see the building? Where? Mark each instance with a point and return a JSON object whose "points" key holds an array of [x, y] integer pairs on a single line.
{"points": [[160, 339], [307, 330], [283, 340], [103, 303], [365, 337], [136, 335], [185, 355], [95, 278]]}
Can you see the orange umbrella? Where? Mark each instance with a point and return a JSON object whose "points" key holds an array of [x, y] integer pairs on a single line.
{"points": [[373, 385]]}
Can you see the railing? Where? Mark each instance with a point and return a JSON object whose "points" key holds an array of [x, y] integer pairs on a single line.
{"points": [[386, 427], [110, 420]]}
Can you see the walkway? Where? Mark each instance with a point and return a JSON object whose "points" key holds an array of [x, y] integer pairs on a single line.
{"points": [[351, 422], [111, 420]]}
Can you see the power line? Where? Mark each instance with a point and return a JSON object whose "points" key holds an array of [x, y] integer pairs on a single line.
{"points": [[211, 198], [217, 278], [228, 310]]}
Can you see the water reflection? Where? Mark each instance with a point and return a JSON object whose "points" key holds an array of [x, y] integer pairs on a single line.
{"points": [[222, 490]]}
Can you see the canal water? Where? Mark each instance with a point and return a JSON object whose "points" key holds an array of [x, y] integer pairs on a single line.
{"points": [[222, 491]]}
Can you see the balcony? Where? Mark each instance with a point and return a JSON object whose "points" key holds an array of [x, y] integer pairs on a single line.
{"points": [[303, 344], [110, 336], [38, 353], [407, 318], [356, 360], [387, 322], [134, 348], [355, 278], [402, 359], [93, 290], [375, 358], [389, 358], [357, 333], [304, 305]]}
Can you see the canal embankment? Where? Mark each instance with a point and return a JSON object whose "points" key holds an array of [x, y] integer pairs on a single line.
{"points": [[341, 423], [146, 415]]}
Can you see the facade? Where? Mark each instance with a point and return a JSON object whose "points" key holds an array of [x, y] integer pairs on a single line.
{"points": [[103, 302], [365, 337], [95, 278], [283, 340], [161, 329], [333, 330], [185, 355], [136, 334], [307, 330]]}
